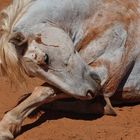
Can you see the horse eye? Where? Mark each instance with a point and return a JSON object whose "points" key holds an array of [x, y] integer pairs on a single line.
{"points": [[46, 59]]}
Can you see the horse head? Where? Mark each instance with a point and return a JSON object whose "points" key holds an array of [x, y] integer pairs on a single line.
{"points": [[50, 54]]}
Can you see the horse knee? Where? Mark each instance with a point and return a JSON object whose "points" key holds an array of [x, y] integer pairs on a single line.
{"points": [[41, 93]]}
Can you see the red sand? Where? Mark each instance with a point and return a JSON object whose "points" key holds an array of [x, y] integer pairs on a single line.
{"points": [[60, 126]]}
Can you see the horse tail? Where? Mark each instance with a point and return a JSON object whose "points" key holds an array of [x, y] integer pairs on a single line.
{"points": [[10, 64]]}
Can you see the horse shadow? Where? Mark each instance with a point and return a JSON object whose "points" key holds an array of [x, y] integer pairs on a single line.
{"points": [[49, 115]]}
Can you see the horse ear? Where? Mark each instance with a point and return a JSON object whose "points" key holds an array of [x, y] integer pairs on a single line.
{"points": [[18, 39], [20, 42]]}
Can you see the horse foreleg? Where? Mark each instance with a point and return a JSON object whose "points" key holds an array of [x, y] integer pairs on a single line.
{"points": [[108, 109], [12, 120]]}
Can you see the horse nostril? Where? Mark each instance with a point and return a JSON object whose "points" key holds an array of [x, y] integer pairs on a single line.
{"points": [[91, 94]]}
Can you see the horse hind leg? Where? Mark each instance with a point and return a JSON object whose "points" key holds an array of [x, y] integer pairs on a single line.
{"points": [[126, 98], [12, 120]]}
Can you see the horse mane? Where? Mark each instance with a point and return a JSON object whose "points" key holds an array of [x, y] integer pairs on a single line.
{"points": [[10, 64]]}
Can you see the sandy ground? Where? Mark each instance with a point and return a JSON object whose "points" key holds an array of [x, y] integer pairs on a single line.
{"points": [[68, 126]]}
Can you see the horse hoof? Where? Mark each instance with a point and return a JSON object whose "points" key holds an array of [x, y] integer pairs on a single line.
{"points": [[6, 135], [108, 110]]}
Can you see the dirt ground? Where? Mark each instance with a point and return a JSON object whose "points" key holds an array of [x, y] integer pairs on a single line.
{"points": [[67, 126]]}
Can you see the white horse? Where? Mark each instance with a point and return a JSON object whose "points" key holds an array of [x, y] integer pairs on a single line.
{"points": [[41, 38]]}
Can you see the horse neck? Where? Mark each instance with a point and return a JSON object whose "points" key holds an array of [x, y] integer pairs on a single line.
{"points": [[63, 14]]}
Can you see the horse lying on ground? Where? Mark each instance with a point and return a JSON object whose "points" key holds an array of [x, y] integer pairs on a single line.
{"points": [[82, 49]]}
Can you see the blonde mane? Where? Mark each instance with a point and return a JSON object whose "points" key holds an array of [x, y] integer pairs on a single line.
{"points": [[10, 64]]}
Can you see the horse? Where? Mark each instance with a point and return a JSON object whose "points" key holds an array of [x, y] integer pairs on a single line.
{"points": [[85, 49]]}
